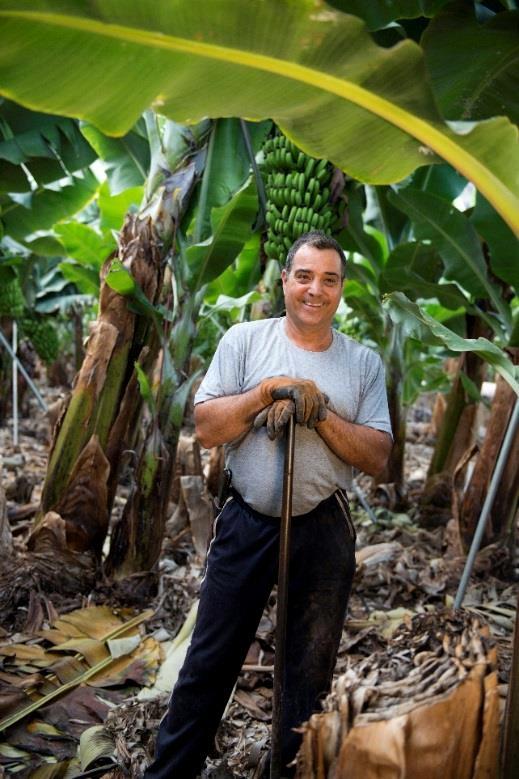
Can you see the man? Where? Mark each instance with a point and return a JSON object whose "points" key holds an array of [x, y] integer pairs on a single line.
{"points": [[262, 372]]}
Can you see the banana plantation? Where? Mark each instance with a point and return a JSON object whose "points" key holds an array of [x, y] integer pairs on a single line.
{"points": [[157, 162]]}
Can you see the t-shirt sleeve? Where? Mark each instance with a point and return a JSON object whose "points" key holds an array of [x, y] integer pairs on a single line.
{"points": [[373, 409], [223, 376]]}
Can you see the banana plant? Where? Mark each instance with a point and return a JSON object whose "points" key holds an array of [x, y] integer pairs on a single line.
{"points": [[105, 404], [211, 236]]}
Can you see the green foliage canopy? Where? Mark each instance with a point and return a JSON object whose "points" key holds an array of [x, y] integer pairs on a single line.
{"points": [[316, 71]]}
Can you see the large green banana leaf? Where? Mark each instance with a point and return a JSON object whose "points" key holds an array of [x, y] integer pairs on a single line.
{"points": [[315, 71], [231, 226], [504, 247], [239, 278], [414, 268], [126, 159], [42, 209], [480, 77], [226, 169], [438, 221], [84, 244], [48, 146], [114, 207]]}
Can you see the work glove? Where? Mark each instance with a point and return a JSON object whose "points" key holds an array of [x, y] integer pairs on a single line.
{"points": [[310, 402], [275, 417]]}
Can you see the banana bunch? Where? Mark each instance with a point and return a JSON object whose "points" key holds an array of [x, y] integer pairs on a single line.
{"points": [[12, 301], [298, 193], [43, 336]]}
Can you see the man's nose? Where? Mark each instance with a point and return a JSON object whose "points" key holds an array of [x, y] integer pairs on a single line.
{"points": [[315, 286]]}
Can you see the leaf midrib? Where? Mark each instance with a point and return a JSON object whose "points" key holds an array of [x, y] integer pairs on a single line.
{"points": [[433, 137]]}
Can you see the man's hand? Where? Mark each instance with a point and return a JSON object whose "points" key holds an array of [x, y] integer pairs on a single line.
{"points": [[275, 417], [310, 402]]}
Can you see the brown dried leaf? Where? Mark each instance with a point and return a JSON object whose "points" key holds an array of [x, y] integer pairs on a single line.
{"points": [[253, 703], [93, 651], [23, 652], [94, 622], [140, 667], [86, 497]]}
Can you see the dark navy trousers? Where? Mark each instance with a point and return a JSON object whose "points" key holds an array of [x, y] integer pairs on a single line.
{"points": [[241, 570]]}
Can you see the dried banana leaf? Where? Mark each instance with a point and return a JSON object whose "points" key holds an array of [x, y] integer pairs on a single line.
{"points": [[95, 744], [82, 656], [413, 712]]}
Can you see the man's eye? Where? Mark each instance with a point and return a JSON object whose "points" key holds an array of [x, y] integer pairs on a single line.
{"points": [[331, 282], [303, 277]]}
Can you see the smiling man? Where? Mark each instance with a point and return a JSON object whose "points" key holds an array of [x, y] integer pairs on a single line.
{"points": [[263, 372]]}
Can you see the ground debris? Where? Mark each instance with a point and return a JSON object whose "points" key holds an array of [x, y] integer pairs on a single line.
{"points": [[416, 707]]}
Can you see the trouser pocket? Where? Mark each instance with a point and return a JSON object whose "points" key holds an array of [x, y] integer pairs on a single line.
{"points": [[344, 507]]}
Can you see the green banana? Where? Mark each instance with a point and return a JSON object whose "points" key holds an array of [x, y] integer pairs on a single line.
{"points": [[309, 167]]}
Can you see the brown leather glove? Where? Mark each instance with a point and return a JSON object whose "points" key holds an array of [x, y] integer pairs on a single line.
{"points": [[309, 401], [275, 417]]}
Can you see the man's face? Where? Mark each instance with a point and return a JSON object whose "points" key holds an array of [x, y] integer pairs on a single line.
{"points": [[313, 287]]}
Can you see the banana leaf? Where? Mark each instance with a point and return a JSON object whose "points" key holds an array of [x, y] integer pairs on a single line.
{"points": [[126, 159], [438, 221], [231, 226], [84, 244], [41, 210], [414, 268], [113, 208], [48, 146], [503, 245], [239, 278], [313, 70], [226, 169], [411, 316], [441, 180], [81, 654], [480, 79]]}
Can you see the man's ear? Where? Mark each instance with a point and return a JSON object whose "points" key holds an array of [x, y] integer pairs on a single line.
{"points": [[284, 275]]}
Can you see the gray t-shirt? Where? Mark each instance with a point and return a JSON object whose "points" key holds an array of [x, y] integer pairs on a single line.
{"points": [[350, 374]]}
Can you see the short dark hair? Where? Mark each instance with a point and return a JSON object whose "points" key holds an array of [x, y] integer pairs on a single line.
{"points": [[318, 240]]}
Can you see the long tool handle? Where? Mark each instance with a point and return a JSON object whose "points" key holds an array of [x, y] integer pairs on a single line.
{"points": [[282, 600]]}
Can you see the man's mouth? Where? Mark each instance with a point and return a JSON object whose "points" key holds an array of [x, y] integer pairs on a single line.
{"points": [[313, 305]]}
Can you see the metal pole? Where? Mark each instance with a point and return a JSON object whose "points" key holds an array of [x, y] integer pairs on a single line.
{"points": [[363, 502], [282, 601], [24, 373], [14, 342], [487, 505]]}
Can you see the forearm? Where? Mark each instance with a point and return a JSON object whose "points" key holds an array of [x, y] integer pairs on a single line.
{"points": [[226, 418], [362, 447]]}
